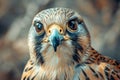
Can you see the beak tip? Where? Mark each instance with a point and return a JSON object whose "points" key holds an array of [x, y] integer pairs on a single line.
{"points": [[55, 45], [55, 49]]}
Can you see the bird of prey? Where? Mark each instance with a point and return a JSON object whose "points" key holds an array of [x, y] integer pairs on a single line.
{"points": [[60, 49]]}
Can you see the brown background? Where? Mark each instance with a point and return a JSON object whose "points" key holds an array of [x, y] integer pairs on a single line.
{"points": [[101, 16]]}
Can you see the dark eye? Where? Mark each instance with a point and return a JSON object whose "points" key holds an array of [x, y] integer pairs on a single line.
{"points": [[38, 26], [72, 24]]}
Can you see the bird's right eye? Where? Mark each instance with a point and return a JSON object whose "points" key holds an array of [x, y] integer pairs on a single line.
{"points": [[38, 26]]}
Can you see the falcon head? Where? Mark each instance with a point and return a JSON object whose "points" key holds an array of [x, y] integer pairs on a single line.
{"points": [[58, 35]]}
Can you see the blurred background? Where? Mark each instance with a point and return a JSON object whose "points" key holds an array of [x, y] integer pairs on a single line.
{"points": [[101, 16]]}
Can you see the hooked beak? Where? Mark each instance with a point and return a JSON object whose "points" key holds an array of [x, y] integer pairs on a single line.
{"points": [[55, 39]]}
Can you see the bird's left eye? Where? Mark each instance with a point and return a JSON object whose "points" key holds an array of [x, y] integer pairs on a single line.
{"points": [[38, 26], [72, 24]]}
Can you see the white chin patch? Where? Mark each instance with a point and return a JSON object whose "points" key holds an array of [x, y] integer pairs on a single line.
{"points": [[63, 53]]}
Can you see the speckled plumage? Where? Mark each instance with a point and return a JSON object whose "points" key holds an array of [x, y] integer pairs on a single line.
{"points": [[71, 57]]}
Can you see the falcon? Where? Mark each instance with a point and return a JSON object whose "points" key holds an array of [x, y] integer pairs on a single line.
{"points": [[60, 49]]}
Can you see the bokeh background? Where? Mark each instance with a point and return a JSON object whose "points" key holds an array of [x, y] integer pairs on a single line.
{"points": [[102, 18]]}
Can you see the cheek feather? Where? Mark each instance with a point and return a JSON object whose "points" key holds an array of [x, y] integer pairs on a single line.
{"points": [[44, 47], [69, 43], [67, 47]]}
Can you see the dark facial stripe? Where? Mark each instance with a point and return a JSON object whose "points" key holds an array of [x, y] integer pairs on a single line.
{"points": [[38, 47], [74, 38], [84, 73], [76, 55], [77, 45], [96, 75], [38, 54]]}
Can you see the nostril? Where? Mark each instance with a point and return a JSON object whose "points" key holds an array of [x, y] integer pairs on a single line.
{"points": [[61, 31], [49, 31]]}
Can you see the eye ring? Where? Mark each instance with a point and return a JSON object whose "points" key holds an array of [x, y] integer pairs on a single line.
{"points": [[38, 26]]}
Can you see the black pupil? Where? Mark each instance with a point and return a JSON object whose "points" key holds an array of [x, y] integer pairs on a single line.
{"points": [[38, 25], [73, 25]]}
